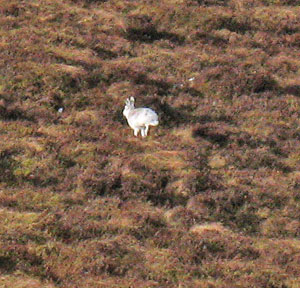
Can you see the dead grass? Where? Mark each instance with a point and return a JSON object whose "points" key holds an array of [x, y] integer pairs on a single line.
{"points": [[209, 199]]}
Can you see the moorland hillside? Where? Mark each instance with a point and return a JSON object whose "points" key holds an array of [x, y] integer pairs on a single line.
{"points": [[211, 198]]}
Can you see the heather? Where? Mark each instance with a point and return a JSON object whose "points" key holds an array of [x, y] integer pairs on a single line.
{"points": [[209, 199]]}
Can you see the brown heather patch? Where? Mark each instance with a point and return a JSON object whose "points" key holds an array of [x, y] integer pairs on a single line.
{"points": [[209, 199]]}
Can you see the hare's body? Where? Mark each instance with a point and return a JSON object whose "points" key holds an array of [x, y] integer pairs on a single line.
{"points": [[139, 118]]}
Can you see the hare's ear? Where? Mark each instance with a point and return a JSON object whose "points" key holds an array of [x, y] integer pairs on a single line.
{"points": [[127, 101], [132, 100]]}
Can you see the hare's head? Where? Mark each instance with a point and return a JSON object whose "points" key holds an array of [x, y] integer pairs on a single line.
{"points": [[129, 105]]}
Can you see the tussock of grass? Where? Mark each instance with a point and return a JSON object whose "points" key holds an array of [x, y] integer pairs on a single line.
{"points": [[23, 281], [212, 227], [166, 160]]}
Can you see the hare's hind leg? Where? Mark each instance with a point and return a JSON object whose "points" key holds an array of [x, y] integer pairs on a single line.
{"points": [[136, 131], [146, 130]]}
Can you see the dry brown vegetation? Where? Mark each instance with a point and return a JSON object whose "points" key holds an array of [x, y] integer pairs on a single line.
{"points": [[210, 199]]}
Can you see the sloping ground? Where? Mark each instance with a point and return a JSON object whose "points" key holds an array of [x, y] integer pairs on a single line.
{"points": [[210, 199]]}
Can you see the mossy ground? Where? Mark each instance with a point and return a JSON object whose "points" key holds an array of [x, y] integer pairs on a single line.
{"points": [[209, 199]]}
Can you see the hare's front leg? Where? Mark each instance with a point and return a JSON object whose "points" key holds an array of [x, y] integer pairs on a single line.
{"points": [[146, 130], [136, 131]]}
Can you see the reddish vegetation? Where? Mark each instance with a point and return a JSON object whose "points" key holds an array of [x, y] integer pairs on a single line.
{"points": [[209, 199]]}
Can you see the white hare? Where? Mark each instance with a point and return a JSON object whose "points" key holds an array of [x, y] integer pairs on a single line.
{"points": [[139, 118]]}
